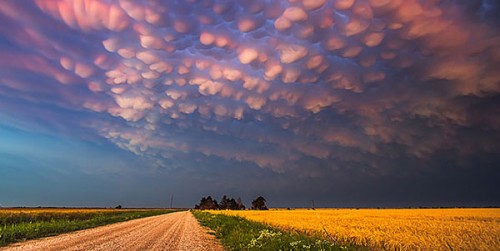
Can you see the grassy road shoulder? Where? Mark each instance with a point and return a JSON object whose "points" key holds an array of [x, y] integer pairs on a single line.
{"points": [[236, 233], [16, 226]]}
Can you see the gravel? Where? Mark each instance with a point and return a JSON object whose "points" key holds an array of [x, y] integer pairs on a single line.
{"points": [[173, 231]]}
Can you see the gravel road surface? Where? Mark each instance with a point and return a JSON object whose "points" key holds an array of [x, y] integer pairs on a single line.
{"points": [[174, 231]]}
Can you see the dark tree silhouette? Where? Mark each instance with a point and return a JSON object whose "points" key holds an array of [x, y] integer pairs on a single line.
{"points": [[224, 203], [239, 204], [228, 203], [232, 204], [207, 203], [259, 204]]}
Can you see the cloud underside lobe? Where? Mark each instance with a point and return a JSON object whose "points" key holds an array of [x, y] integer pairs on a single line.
{"points": [[342, 84]]}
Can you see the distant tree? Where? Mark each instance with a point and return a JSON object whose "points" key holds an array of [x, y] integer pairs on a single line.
{"points": [[224, 203], [232, 204], [214, 205], [229, 203], [259, 203], [207, 203], [119, 207], [239, 204]]}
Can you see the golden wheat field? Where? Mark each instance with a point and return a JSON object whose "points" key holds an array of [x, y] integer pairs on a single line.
{"points": [[394, 229], [36, 214], [53, 210]]}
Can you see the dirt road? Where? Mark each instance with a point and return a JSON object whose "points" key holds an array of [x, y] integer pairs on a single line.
{"points": [[174, 231]]}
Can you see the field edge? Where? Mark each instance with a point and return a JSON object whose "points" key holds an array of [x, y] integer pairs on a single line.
{"points": [[237, 233]]}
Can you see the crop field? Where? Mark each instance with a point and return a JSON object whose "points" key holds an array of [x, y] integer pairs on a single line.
{"points": [[237, 234], [394, 229], [19, 224]]}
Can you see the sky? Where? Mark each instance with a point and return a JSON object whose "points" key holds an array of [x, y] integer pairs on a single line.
{"points": [[347, 103]]}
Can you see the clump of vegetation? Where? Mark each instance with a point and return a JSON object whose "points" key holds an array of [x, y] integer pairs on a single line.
{"points": [[236, 233], [24, 224], [226, 203], [259, 204]]}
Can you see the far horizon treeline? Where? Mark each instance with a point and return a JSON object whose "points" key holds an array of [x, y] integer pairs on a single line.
{"points": [[227, 203]]}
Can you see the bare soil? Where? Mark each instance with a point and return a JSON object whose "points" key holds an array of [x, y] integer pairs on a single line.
{"points": [[174, 231]]}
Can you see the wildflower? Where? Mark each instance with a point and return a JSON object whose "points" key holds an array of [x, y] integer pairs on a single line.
{"points": [[295, 243]]}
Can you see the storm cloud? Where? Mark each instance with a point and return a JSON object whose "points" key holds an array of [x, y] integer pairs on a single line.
{"points": [[319, 94]]}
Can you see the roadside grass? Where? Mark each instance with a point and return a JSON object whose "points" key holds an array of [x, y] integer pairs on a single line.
{"points": [[21, 225], [236, 233]]}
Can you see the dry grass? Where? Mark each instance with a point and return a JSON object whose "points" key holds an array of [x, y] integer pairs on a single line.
{"points": [[400, 229]]}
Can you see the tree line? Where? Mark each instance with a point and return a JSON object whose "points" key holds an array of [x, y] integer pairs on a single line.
{"points": [[226, 203]]}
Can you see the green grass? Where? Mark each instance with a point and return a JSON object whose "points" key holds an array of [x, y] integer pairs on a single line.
{"points": [[236, 233], [16, 227]]}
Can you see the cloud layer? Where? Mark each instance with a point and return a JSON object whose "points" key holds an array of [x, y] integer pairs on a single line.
{"points": [[346, 84]]}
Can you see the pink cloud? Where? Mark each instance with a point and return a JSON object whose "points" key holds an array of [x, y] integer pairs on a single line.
{"points": [[369, 70], [87, 14]]}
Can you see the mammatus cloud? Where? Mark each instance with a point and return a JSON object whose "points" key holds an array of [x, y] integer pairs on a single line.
{"points": [[266, 82]]}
